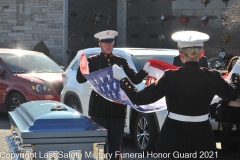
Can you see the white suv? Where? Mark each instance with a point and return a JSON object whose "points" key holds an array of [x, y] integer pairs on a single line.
{"points": [[142, 127]]}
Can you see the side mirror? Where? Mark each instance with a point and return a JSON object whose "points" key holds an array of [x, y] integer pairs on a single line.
{"points": [[2, 72]]}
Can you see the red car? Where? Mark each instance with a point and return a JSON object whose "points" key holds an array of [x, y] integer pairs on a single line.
{"points": [[27, 76]]}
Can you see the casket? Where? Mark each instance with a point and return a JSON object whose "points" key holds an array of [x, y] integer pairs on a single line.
{"points": [[52, 130]]}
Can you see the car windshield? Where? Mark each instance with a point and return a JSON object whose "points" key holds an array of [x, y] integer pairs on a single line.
{"points": [[140, 60], [27, 63]]}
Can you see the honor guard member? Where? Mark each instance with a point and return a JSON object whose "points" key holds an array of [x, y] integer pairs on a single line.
{"points": [[108, 114], [189, 90]]}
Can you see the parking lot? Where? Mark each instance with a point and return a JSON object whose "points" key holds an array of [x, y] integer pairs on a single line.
{"points": [[128, 144]]}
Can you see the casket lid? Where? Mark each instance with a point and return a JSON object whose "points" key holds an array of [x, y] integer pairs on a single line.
{"points": [[50, 119]]}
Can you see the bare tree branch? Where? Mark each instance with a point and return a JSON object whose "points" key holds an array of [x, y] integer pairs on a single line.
{"points": [[232, 15]]}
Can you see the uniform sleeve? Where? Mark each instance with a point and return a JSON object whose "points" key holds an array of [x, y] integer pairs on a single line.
{"points": [[80, 78], [140, 97], [147, 95], [204, 62], [136, 78]]}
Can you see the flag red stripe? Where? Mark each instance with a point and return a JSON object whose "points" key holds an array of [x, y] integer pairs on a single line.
{"points": [[161, 64]]}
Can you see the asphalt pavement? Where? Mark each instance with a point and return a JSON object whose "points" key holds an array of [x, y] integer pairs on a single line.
{"points": [[129, 150]]}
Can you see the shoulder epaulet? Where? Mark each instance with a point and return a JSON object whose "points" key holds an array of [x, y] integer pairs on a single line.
{"points": [[173, 69], [94, 56]]}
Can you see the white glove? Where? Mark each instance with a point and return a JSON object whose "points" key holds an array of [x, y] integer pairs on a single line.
{"points": [[146, 67], [118, 72]]}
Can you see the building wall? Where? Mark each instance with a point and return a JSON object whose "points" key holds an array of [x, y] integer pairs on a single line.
{"points": [[82, 27], [24, 23], [214, 27], [63, 24], [144, 24]]}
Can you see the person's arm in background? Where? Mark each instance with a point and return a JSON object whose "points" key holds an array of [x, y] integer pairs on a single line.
{"points": [[177, 61], [204, 62], [138, 77], [174, 61]]}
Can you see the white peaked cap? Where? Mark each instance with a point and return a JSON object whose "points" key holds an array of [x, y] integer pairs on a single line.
{"points": [[106, 35], [190, 38]]}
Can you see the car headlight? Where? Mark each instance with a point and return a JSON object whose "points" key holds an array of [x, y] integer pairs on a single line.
{"points": [[41, 88]]}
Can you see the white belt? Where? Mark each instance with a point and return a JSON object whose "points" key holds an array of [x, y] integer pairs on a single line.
{"points": [[180, 117]]}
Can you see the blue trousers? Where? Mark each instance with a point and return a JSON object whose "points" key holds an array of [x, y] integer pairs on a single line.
{"points": [[115, 133]]}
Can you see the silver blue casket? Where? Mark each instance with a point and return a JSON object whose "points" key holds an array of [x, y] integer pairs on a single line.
{"points": [[51, 130]]}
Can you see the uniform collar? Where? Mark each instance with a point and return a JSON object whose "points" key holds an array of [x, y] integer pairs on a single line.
{"points": [[191, 64], [106, 55]]}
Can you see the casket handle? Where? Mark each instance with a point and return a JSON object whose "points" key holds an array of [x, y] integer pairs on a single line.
{"points": [[58, 108]]}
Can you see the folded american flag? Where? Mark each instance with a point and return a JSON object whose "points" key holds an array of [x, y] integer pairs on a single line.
{"points": [[108, 87]]}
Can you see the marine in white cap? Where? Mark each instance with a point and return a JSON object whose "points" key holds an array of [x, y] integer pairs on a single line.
{"points": [[109, 115], [188, 91], [190, 44]]}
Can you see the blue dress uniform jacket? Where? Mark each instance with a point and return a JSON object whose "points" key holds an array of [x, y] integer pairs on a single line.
{"points": [[189, 91], [99, 106]]}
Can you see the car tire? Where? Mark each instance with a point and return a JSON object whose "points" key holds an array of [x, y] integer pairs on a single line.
{"points": [[145, 132], [15, 100], [73, 103]]}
